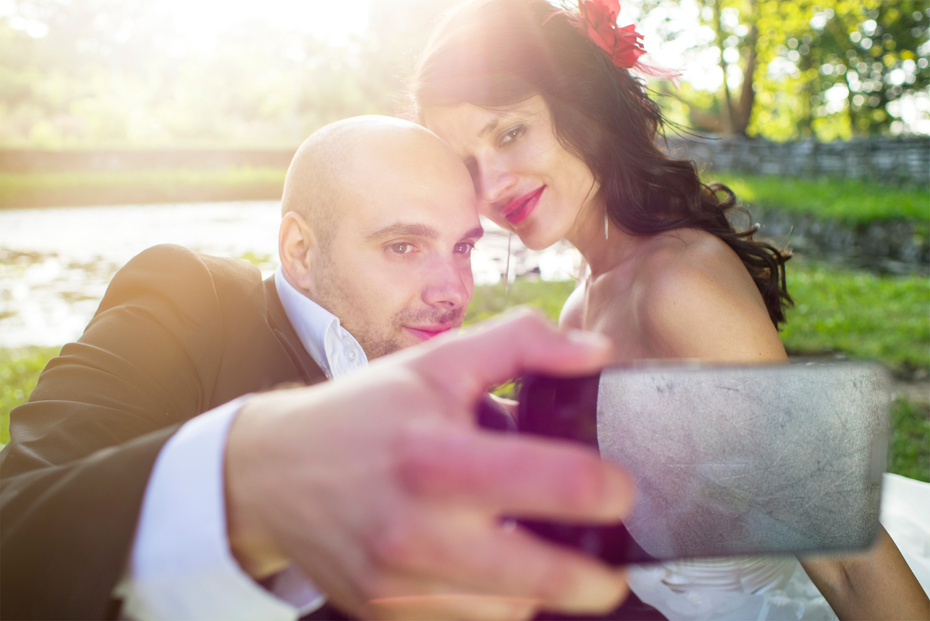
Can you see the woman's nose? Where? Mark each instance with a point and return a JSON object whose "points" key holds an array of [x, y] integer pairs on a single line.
{"points": [[493, 181]]}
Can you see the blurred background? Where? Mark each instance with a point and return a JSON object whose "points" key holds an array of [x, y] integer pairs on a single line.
{"points": [[127, 123], [132, 73]]}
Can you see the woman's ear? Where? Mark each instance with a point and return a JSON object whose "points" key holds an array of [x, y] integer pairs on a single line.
{"points": [[296, 248]]}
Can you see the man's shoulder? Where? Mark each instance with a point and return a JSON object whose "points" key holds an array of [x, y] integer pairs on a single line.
{"points": [[169, 264], [167, 256], [193, 280]]}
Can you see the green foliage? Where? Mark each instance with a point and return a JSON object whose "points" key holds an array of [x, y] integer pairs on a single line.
{"points": [[491, 300], [117, 73], [830, 69], [852, 201], [909, 453], [861, 314], [19, 372], [262, 261], [143, 186]]}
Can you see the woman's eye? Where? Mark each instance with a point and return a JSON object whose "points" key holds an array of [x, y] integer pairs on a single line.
{"points": [[512, 134]]}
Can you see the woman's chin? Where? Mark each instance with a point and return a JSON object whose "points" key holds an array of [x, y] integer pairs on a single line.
{"points": [[537, 242], [532, 236]]}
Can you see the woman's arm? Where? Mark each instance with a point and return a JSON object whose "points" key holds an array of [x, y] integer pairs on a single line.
{"points": [[876, 584]]}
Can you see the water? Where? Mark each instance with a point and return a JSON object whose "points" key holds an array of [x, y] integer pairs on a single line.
{"points": [[55, 263]]}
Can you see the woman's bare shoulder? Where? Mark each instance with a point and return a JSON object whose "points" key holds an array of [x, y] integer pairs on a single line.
{"points": [[687, 252], [695, 298], [691, 261]]}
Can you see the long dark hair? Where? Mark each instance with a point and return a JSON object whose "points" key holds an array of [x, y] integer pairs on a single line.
{"points": [[494, 53]]}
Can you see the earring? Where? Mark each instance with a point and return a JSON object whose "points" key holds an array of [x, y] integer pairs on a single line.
{"points": [[606, 223], [507, 265]]}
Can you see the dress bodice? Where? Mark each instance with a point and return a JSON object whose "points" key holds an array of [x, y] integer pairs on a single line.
{"points": [[753, 574], [777, 587], [752, 587]]}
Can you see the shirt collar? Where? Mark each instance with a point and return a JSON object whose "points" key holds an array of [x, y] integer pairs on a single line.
{"points": [[331, 346]]}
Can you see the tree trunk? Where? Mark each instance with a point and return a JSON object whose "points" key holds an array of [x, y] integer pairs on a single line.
{"points": [[727, 107], [747, 97]]}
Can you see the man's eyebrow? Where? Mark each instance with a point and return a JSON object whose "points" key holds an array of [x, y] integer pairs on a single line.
{"points": [[417, 230], [402, 229]]}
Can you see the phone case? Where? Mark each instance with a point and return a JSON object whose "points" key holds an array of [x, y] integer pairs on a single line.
{"points": [[727, 460]]}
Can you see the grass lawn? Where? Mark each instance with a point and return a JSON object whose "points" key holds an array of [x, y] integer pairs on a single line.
{"points": [[19, 371], [849, 200], [858, 314], [852, 201], [133, 187]]}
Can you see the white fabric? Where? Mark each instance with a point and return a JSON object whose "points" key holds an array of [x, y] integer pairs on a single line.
{"points": [[181, 566], [770, 587], [334, 349]]}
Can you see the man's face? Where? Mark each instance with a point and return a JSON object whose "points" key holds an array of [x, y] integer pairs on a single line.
{"points": [[397, 269]]}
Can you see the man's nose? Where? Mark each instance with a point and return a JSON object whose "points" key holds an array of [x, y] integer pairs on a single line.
{"points": [[451, 284]]}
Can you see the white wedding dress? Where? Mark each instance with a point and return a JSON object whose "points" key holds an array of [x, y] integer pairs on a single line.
{"points": [[776, 587]]}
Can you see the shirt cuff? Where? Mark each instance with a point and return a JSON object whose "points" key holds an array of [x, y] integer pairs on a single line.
{"points": [[181, 566]]}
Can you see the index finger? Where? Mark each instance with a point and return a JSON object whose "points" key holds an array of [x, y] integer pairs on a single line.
{"points": [[515, 475], [503, 348]]}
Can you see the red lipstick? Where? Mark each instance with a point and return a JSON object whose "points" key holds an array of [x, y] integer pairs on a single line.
{"points": [[519, 209]]}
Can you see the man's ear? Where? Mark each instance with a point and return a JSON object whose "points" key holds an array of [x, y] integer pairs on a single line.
{"points": [[297, 247]]}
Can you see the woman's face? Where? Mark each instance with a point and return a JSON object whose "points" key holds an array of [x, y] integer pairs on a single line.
{"points": [[527, 181]]}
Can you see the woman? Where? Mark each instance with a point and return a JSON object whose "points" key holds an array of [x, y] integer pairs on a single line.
{"points": [[560, 139]]}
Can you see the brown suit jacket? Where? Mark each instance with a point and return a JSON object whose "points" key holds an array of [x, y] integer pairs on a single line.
{"points": [[177, 333]]}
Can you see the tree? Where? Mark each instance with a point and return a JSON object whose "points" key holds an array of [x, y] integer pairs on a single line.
{"points": [[824, 68], [870, 52], [745, 39], [127, 72]]}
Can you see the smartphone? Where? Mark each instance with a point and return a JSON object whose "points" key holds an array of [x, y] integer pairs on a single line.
{"points": [[727, 460]]}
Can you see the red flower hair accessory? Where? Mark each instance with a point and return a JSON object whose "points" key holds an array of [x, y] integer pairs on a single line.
{"points": [[624, 45]]}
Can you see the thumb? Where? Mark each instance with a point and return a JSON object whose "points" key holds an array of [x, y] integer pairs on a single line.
{"points": [[503, 348]]}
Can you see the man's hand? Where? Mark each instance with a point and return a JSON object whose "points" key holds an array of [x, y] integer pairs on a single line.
{"points": [[381, 488]]}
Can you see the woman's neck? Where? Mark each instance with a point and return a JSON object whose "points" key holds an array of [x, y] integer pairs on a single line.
{"points": [[604, 246]]}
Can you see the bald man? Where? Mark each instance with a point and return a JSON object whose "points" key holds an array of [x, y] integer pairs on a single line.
{"points": [[146, 479]]}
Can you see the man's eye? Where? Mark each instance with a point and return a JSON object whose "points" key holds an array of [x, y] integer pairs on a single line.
{"points": [[464, 248], [401, 248]]}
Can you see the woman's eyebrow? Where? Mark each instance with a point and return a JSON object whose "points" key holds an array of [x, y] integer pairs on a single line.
{"points": [[490, 127], [503, 117], [476, 233]]}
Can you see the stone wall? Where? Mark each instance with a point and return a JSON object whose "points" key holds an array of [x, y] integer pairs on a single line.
{"points": [[889, 160], [884, 246]]}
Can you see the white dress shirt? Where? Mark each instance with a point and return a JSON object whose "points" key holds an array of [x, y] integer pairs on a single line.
{"points": [[181, 566]]}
